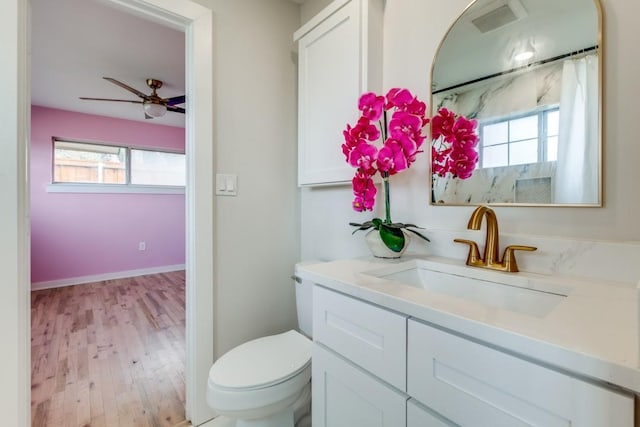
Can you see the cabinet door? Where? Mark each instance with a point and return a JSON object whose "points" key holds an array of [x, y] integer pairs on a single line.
{"points": [[333, 68], [367, 335], [346, 396], [472, 384]]}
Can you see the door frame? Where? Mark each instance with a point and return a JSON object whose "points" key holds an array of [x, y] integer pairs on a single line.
{"points": [[197, 23]]}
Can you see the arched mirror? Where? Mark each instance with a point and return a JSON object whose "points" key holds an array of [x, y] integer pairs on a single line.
{"points": [[529, 72]]}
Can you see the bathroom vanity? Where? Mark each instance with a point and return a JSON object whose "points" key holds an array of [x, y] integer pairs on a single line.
{"points": [[428, 341]]}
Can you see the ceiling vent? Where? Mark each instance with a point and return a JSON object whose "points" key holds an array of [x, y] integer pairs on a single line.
{"points": [[498, 14]]}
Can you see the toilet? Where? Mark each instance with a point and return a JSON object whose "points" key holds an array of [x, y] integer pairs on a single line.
{"points": [[266, 382]]}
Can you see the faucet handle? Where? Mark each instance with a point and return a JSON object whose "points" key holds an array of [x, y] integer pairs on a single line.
{"points": [[474, 254], [509, 258]]}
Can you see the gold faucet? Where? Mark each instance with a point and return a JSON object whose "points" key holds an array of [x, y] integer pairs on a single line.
{"points": [[491, 259]]}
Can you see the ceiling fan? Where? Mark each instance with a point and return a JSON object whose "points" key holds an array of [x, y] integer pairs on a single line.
{"points": [[153, 105]]}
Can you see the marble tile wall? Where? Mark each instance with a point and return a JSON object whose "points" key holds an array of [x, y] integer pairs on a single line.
{"points": [[611, 261], [497, 185], [509, 94], [506, 95]]}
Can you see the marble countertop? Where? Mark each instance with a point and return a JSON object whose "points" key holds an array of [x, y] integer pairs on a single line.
{"points": [[592, 333]]}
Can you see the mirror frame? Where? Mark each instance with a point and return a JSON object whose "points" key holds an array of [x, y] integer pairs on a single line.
{"points": [[600, 134]]}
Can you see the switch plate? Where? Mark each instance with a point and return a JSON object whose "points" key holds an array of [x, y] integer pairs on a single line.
{"points": [[226, 184], [142, 246]]}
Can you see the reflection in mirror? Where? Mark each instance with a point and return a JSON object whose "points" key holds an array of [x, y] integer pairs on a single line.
{"points": [[529, 72]]}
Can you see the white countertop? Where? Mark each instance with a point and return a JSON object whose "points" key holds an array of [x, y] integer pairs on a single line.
{"points": [[593, 332]]}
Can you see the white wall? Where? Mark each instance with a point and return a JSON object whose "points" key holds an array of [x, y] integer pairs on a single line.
{"points": [[412, 32], [257, 231], [310, 8]]}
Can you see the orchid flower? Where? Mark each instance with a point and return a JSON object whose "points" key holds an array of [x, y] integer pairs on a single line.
{"points": [[400, 142], [371, 106], [454, 141]]}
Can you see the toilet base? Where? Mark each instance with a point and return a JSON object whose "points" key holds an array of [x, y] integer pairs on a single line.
{"points": [[283, 418], [297, 414]]}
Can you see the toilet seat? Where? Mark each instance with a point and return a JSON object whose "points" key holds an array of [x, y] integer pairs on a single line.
{"points": [[261, 376], [262, 362]]}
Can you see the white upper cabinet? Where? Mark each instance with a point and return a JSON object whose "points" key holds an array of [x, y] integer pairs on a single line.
{"points": [[339, 58]]}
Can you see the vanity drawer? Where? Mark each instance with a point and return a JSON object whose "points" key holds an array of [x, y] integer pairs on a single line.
{"points": [[472, 384], [367, 335]]}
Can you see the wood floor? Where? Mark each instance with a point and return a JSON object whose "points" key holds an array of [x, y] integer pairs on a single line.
{"points": [[109, 353]]}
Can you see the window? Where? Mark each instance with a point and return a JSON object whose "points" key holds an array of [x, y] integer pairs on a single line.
{"points": [[89, 163], [529, 138], [157, 168]]}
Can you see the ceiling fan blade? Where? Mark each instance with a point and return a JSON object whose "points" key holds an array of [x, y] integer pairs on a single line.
{"points": [[109, 99], [176, 100], [176, 109], [127, 87]]}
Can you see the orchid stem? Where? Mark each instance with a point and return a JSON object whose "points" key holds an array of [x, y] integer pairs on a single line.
{"points": [[385, 175], [387, 204]]}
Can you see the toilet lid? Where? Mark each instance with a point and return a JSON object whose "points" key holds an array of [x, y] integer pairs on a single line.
{"points": [[262, 362]]}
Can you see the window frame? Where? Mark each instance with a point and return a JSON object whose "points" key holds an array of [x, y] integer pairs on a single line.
{"points": [[542, 136], [99, 187]]}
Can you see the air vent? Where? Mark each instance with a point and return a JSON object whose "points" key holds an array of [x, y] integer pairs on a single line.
{"points": [[498, 14]]}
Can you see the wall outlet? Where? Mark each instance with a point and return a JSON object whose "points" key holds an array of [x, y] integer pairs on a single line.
{"points": [[142, 246]]}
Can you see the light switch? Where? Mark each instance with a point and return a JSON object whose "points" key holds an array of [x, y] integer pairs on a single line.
{"points": [[231, 185], [221, 184], [226, 184]]}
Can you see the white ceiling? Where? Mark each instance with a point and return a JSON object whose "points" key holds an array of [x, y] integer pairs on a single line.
{"points": [[74, 43]]}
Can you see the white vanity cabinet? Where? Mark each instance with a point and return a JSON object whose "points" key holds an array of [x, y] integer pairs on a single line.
{"points": [[339, 58], [344, 395], [377, 367], [473, 384], [359, 363]]}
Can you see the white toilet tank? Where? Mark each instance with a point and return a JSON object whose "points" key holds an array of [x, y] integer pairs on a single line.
{"points": [[304, 304]]}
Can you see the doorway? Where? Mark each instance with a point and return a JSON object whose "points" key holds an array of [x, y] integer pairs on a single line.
{"points": [[196, 21]]}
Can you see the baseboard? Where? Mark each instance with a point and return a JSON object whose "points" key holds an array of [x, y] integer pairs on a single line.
{"points": [[107, 276]]}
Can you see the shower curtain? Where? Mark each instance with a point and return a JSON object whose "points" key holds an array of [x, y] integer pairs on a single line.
{"points": [[577, 170]]}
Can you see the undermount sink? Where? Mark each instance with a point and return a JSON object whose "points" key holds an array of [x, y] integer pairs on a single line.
{"points": [[508, 291]]}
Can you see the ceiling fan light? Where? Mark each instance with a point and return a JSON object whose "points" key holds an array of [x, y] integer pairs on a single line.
{"points": [[154, 110]]}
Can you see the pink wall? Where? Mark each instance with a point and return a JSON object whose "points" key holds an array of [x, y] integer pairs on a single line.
{"points": [[75, 235]]}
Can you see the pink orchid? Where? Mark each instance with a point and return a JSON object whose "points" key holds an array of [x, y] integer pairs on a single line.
{"points": [[453, 150], [439, 154], [362, 132], [371, 105], [418, 108], [363, 157], [350, 142], [398, 98], [391, 158], [405, 125], [465, 133], [463, 163], [400, 141], [365, 130], [442, 124], [364, 191]]}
